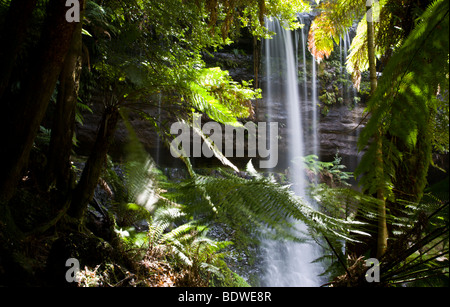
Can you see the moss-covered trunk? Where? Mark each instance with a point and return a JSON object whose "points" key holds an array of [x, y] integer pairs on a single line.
{"points": [[58, 168], [382, 225], [84, 191]]}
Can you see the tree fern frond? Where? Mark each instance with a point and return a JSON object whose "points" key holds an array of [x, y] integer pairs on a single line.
{"points": [[258, 203], [333, 21], [223, 100], [404, 103]]}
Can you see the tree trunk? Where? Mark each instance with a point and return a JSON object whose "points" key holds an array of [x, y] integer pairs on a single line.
{"points": [[19, 15], [23, 124], [84, 191], [256, 60], [58, 168], [382, 225], [371, 52]]}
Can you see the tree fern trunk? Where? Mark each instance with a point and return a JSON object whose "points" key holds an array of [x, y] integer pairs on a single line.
{"points": [[58, 169], [256, 61], [84, 191], [22, 124], [371, 51], [382, 225]]}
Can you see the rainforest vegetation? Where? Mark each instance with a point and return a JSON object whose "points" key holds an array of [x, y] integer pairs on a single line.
{"points": [[127, 221]]}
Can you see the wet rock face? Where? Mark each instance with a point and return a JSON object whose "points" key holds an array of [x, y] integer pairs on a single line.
{"points": [[339, 132]]}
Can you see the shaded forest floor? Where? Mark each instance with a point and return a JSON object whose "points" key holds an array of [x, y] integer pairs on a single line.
{"points": [[35, 251]]}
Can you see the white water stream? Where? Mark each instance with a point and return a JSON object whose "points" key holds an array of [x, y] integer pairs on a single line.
{"points": [[289, 264]]}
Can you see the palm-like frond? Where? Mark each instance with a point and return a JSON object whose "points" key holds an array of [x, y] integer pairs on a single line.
{"points": [[418, 250], [335, 18], [254, 204], [222, 99], [406, 101]]}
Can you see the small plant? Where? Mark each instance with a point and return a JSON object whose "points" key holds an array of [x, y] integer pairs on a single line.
{"points": [[330, 172]]}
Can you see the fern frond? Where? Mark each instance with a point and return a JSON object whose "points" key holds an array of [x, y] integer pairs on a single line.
{"points": [[214, 93], [250, 206], [405, 101], [212, 146]]}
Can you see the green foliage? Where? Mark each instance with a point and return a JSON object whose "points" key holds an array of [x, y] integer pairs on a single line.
{"points": [[81, 107], [187, 244], [405, 104], [333, 170], [358, 59], [419, 257], [137, 49], [253, 205], [155, 48], [213, 92], [335, 18], [418, 250], [250, 13]]}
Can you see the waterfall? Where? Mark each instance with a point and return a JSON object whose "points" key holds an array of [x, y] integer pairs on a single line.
{"points": [[287, 263], [344, 46], [310, 116]]}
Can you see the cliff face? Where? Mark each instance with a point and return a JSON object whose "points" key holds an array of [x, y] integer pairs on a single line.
{"points": [[339, 131], [338, 127]]}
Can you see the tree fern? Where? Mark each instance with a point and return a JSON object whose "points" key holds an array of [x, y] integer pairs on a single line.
{"points": [[417, 253], [254, 204], [248, 204], [214, 93], [419, 257], [335, 18], [406, 101]]}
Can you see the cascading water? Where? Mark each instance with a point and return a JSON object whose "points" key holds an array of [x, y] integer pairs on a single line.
{"points": [[344, 45], [290, 264]]}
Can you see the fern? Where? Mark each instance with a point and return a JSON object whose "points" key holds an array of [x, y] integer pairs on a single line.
{"points": [[188, 244], [81, 107], [214, 93], [405, 104], [418, 251], [252, 205], [335, 18], [419, 257]]}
